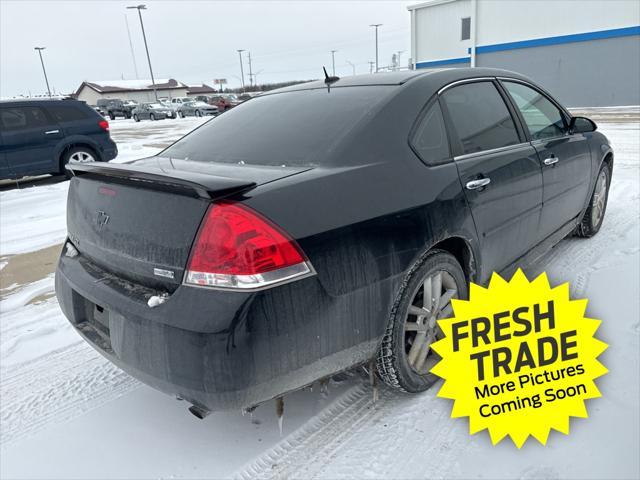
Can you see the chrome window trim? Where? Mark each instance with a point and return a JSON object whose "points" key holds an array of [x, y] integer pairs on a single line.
{"points": [[463, 81], [517, 146]]}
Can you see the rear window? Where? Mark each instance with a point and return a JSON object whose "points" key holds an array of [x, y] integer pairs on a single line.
{"points": [[67, 113], [288, 129]]}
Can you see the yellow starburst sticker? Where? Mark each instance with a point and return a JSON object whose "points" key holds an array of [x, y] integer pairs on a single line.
{"points": [[519, 358]]}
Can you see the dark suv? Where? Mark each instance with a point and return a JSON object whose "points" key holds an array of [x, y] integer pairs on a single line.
{"points": [[41, 136]]}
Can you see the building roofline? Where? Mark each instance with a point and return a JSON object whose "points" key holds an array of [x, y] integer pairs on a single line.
{"points": [[429, 3], [113, 89]]}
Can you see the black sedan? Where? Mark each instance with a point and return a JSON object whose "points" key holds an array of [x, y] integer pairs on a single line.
{"points": [[261, 253]]}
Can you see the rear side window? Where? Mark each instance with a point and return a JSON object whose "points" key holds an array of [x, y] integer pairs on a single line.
{"points": [[298, 128], [480, 117], [66, 113], [430, 138], [22, 117], [543, 118]]}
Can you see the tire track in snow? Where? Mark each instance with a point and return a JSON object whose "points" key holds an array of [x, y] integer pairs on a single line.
{"points": [[575, 259], [56, 388], [321, 433], [337, 442]]}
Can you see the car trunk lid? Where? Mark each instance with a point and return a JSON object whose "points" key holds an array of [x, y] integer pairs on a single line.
{"points": [[139, 220]]}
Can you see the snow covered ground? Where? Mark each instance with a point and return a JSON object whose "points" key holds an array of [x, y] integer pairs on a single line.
{"points": [[65, 412]]}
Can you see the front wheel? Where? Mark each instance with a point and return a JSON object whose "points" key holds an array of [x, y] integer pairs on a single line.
{"points": [[112, 116], [405, 356], [136, 118], [181, 114], [594, 215], [198, 113], [152, 117]]}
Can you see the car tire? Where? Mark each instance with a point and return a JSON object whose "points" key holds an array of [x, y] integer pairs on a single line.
{"points": [[112, 116], [404, 359], [136, 118], [198, 113], [152, 117], [81, 155], [181, 114], [594, 214]]}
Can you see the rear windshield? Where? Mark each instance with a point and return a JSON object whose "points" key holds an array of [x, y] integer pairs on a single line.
{"points": [[287, 129]]}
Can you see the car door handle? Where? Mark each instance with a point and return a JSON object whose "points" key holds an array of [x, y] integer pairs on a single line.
{"points": [[479, 183], [551, 160], [51, 132]]}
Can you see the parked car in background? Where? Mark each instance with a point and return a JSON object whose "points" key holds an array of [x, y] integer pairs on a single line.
{"points": [[233, 99], [224, 102], [152, 111], [131, 104], [197, 109], [176, 102], [100, 110], [115, 107], [42, 136], [290, 247]]}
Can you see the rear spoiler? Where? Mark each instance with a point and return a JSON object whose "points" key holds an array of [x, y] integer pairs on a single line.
{"points": [[202, 185]]}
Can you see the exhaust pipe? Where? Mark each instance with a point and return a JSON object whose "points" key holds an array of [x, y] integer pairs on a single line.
{"points": [[199, 412]]}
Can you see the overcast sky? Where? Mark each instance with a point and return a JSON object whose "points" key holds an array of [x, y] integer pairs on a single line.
{"points": [[192, 41]]}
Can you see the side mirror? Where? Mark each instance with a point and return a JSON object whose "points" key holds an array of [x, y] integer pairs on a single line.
{"points": [[582, 125]]}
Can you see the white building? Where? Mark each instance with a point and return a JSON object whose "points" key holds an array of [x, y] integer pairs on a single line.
{"points": [[586, 53], [138, 90]]}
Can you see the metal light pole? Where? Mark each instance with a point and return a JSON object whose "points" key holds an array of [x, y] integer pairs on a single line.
{"points": [[353, 67], [144, 36], [241, 68], [333, 61], [39, 49], [250, 71], [400, 64], [376, 25], [133, 56], [255, 77]]}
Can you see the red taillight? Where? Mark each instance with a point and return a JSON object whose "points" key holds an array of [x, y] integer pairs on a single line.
{"points": [[103, 124], [238, 248]]}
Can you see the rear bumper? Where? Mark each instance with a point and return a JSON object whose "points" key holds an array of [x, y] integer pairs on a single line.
{"points": [[109, 151], [218, 350]]}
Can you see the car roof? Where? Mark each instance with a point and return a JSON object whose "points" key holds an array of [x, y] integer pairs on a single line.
{"points": [[435, 76], [31, 101]]}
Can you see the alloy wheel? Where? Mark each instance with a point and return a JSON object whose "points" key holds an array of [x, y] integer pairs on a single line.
{"points": [[599, 198], [81, 156], [431, 302]]}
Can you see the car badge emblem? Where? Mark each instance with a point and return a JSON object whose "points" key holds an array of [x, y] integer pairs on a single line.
{"points": [[160, 272], [102, 219]]}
